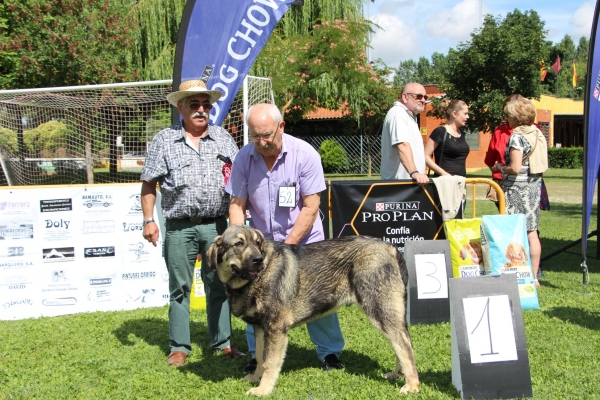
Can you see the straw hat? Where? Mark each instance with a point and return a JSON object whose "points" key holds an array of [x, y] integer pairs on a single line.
{"points": [[190, 88]]}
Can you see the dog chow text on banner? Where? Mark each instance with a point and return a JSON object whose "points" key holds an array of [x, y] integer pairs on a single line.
{"points": [[219, 41]]}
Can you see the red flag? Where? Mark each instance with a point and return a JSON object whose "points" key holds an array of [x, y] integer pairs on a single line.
{"points": [[574, 75], [556, 66]]}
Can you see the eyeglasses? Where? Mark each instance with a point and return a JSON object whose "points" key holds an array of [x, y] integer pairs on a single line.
{"points": [[195, 105], [419, 96], [266, 137]]}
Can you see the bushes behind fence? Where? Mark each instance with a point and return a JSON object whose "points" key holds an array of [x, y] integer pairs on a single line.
{"points": [[333, 155], [565, 157]]}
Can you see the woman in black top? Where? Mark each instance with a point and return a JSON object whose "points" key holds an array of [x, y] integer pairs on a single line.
{"points": [[451, 139]]}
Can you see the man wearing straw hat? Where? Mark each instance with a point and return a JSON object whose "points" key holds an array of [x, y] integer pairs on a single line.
{"points": [[183, 160]]}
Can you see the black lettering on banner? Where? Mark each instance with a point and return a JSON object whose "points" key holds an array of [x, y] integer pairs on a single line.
{"points": [[56, 205], [501, 351], [431, 275], [486, 313]]}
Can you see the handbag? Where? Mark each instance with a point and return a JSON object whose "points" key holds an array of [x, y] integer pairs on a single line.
{"points": [[492, 194], [544, 200], [441, 152]]}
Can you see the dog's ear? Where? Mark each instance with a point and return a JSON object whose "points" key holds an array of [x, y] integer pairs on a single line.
{"points": [[261, 240], [213, 252], [524, 253], [508, 253]]}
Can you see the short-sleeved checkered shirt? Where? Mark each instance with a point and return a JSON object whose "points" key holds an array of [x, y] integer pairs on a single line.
{"points": [[191, 183]]}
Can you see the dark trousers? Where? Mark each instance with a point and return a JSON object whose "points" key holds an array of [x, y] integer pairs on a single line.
{"points": [[183, 241]]}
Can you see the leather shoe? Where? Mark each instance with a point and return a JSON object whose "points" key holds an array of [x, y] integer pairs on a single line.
{"points": [[177, 358], [232, 352], [251, 367], [332, 362]]}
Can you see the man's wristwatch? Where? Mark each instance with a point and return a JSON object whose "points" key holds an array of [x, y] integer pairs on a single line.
{"points": [[147, 221], [414, 172]]}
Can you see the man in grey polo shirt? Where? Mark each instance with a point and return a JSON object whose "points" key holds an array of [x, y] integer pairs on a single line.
{"points": [[183, 160], [402, 150]]}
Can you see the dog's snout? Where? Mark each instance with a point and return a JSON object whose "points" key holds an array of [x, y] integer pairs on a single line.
{"points": [[257, 260]]}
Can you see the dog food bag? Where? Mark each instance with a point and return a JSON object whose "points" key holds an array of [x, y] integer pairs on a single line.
{"points": [[506, 251], [465, 247]]}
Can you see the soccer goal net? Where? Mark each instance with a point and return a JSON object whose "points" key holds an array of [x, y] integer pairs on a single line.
{"points": [[95, 134]]}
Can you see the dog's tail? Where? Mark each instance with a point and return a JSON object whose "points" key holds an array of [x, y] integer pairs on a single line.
{"points": [[402, 266]]}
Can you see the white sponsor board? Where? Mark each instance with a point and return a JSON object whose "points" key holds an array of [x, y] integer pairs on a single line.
{"points": [[72, 249]]}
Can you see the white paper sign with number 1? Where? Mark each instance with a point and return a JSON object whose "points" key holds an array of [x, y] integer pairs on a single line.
{"points": [[490, 330], [432, 279]]}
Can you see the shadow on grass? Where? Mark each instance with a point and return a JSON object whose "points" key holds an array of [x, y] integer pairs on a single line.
{"points": [[154, 331], [557, 223], [360, 364], [583, 318], [216, 368]]}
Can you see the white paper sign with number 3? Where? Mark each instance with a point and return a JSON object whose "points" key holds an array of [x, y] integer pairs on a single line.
{"points": [[432, 279], [490, 329]]}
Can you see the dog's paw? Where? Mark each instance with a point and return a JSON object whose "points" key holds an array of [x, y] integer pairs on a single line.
{"points": [[252, 378], [258, 391], [392, 375], [408, 388]]}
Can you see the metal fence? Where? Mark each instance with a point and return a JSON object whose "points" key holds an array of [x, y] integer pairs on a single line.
{"points": [[359, 151], [96, 133]]}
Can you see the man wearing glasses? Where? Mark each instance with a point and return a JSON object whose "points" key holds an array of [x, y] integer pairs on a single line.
{"points": [[183, 160], [402, 150], [279, 178]]}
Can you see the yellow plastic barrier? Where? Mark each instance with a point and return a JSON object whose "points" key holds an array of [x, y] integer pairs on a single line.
{"points": [[197, 295], [501, 200]]}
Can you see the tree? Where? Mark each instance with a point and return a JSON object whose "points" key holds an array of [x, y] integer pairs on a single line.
{"points": [[377, 98], [155, 36], [8, 141], [423, 71], [315, 55], [48, 136], [439, 65], [61, 43], [501, 58], [406, 72], [561, 84]]}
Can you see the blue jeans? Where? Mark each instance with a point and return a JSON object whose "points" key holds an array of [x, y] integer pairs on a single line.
{"points": [[324, 332]]}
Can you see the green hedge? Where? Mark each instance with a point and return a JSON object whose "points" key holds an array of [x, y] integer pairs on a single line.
{"points": [[333, 156], [565, 157]]}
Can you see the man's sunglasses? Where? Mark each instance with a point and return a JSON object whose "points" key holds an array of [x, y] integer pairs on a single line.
{"points": [[419, 96], [195, 105]]}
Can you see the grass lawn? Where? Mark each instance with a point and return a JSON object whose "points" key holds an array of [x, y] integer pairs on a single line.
{"points": [[122, 355]]}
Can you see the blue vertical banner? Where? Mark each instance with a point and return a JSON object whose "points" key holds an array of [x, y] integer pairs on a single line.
{"points": [[591, 155], [218, 42]]}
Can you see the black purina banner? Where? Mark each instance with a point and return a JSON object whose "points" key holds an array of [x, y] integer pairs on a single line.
{"points": [[324, 212], [393, 211]]}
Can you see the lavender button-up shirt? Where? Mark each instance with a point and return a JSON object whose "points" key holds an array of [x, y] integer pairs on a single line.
{"points": [[298, 164]]}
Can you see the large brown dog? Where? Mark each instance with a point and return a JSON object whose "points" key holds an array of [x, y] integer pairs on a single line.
{"points": [[275, 287]]}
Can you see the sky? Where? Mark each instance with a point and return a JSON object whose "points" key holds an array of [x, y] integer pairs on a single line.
{"points": [[415, 28]]}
